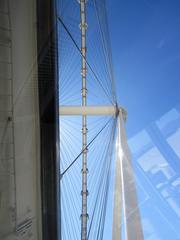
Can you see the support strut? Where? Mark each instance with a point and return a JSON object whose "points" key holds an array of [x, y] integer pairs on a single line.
{"points": [[84, 192]]}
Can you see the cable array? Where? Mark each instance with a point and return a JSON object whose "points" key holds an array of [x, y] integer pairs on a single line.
{"points": [[101, 130], [100, 79], [99, 169]]}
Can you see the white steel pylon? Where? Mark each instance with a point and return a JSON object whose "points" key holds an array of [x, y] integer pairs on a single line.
{"points": [[125, 196]]}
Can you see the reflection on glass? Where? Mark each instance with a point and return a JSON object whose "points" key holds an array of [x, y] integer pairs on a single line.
{"points": [[156, 159]]}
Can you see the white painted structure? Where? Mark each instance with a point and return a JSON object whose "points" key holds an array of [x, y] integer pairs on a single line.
{"points": [[20, 210], [125, 196], [87, 110]]}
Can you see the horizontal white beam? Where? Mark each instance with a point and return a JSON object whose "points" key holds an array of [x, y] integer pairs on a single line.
{"points": [[87, 110], [91, 111]]}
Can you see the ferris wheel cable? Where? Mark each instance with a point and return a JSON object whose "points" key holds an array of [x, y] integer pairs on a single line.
{"points": [[67, 56], [70, 123], [66, 76], [105, 137], [100, 75], [109, 164], [96, 166], [72, 195], [97, 221], [71, 126], [70, 98], [108, 54], [69, 151], [70, 154], [95, 124], [63, 5], [107, 185], [65, 89], [94, 175], [68, 68], [94, 99], [95, 52], [66, 82], [68, 95], [105, 82], [85, 148], [68, 126], [71, 12], [101, 15], [104, 200], [65, 138], [70, 133], [67, 219], [74, 176], [98, 195], [76, 101], [96, 94], [70, 201], [65, 206], [102, 9], [102, 172], [73, 184], [101, 213], [65, 157], [68, 176], [97, 79], [103, 77]]}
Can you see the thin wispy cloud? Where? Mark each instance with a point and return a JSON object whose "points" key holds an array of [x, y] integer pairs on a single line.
{"points": [[161, 43]]}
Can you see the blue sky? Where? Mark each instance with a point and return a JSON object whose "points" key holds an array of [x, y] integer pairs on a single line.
{"points": [[145, 37]]}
